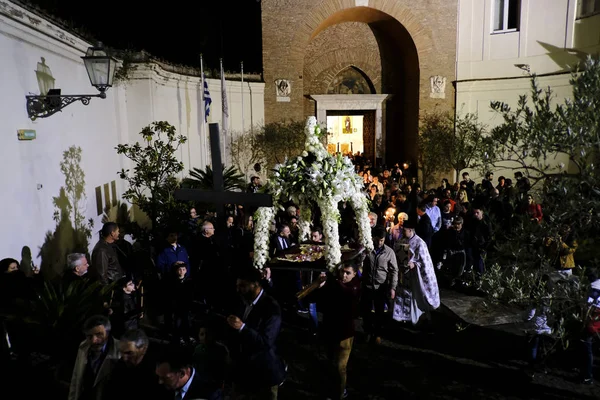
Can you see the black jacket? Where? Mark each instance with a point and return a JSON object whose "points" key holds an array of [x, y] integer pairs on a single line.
{"points": [[253, 350], [139, 382], [105, 263]]}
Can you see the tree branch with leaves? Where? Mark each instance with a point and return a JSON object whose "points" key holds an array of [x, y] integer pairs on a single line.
{"points": [[435, 134], [280, 141], [466, 144], [246, 151], [153, 181], [556, 146]]}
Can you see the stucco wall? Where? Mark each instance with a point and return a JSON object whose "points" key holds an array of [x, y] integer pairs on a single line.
{"points": [[550, 40], [32, 177]]}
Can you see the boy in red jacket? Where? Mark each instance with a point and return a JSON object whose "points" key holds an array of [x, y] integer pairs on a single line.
{"points": [[339, 297]]}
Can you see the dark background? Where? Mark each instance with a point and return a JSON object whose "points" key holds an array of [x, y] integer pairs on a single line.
{"points": [[174, 30]]}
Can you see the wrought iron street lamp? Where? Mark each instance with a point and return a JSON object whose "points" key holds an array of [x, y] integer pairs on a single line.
{"points": [[100, 67]]}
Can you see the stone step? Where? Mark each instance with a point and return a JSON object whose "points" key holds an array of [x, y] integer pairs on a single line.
{"points": [[476, 310]]}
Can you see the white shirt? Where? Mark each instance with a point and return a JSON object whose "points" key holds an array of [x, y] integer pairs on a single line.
{"points": [[252, 305], [183, 391]]}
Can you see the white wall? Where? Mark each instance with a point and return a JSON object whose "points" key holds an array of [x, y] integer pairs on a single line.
{"points": [[550, 40], [153, 94]]}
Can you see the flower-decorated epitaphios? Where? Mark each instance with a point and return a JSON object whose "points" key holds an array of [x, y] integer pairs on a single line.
{"points": [[314, 177], [304, 223]]}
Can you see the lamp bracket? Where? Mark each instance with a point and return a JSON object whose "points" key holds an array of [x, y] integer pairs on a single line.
{"points": [[45, 106]]}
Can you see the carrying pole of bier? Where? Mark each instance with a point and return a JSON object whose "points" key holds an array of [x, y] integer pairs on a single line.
{"points": [[308, 290], [313, 286]]}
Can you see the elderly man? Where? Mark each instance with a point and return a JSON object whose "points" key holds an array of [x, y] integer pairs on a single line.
{"points": [[380, 278], [133, 376], [419, 284], [95, 361], [373, 219], [210, 274], [77, 268]]}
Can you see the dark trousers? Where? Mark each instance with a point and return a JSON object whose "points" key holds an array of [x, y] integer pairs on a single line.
{"points": [[539, 348], [588, 356], [178, 322], [373, 303]]}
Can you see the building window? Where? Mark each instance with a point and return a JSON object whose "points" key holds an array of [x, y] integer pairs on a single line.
{"points": [[505, 15], [587, 8]]}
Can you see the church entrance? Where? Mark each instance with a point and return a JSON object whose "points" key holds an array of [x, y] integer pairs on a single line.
{"points": [[351, 132], [355, 123]]}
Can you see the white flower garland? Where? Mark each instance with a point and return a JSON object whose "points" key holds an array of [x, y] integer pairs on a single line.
{"points": [[330, 217], [304, 222], [316, 176], [262, 222], [361, 209]]}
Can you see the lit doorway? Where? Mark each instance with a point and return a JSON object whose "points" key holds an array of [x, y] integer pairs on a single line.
{"points": [[345, 134]]}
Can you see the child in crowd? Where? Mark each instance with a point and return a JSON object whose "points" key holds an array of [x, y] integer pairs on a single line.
{"points": [[540, 334], [126, 307], [180, 296]]}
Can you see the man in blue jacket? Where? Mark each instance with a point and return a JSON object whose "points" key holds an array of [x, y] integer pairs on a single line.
{"points": [[171, 254]]}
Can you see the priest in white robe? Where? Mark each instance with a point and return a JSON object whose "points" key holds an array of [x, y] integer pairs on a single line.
{"points": [[418, 291]]}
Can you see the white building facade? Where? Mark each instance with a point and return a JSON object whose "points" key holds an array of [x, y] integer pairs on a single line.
{"points": [[37, 55], [501, 41]]}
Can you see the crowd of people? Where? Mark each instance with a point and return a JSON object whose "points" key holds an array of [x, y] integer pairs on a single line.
{"points": [[223, 316]]}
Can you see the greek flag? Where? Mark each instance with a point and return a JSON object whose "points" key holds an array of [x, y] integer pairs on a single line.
{"points": [[207, 100]]}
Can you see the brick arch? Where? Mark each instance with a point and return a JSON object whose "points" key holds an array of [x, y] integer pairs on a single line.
{"points": [[337, 60], [332, 12], [323, 79], [320, 82], [403, 44]]}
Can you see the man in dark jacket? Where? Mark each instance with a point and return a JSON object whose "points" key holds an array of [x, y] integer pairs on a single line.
{"points": [[176, 373], [105, 266], [133, 376], [339, 299], [258, 370]]}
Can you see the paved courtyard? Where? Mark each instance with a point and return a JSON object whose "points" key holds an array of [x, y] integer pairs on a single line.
{"points": [[451, 362], [474, 363]]}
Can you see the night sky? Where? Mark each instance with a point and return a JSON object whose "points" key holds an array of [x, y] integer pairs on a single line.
{"points": [[175, 30]]}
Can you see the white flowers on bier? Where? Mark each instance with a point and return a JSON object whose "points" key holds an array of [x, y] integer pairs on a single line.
{"points": [[314, 177], [330, 217], [304, 223], [262, 221]]}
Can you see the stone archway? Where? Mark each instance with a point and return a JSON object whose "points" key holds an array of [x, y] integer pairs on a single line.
{"points": [[413, 43], [392, 50]]}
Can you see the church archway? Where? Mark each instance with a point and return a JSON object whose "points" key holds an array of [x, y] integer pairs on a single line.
{"points": [[397, 70], [351, 80]]}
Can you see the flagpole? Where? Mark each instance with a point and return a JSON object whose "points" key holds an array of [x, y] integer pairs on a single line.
{"points": [[243, 122], [224, 116], [203, 143]]}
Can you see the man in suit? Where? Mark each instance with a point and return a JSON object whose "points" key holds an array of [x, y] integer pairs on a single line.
{"points": [[281, 241], [95, 360], [258, 371], [286, 283], [176, 373]]}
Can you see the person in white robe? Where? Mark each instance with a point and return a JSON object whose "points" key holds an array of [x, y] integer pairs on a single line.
{"points": [[418, 291]]}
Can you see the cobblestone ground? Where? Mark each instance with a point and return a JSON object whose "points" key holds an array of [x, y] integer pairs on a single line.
{"points": [[444, 363], [474, 363]]}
